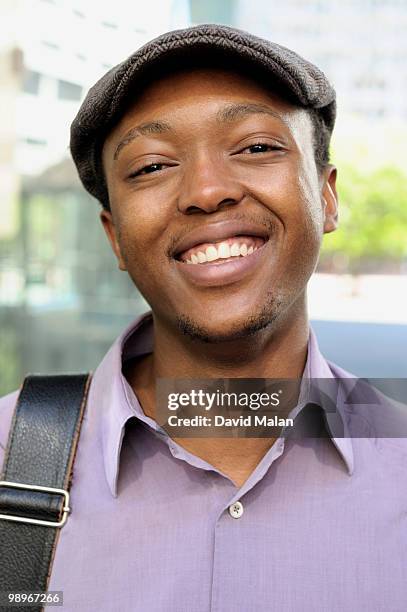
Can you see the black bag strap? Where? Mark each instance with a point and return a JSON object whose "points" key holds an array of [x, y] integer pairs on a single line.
{"points": [[40, 453]]}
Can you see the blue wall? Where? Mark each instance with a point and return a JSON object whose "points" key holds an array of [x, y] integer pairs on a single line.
{"points": [[365, 349]]}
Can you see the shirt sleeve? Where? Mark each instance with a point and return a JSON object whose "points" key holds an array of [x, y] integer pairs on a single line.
{"points": [[7, 405]]}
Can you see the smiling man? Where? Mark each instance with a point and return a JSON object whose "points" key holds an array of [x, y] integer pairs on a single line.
{"points": [[208, 150], [217, 209]]}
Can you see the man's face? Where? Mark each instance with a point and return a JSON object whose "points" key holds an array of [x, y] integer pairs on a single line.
{"points": [[205, 167]]}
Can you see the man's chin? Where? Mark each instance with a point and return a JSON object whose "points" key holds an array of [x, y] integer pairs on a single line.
{"points": [[224, 331]]}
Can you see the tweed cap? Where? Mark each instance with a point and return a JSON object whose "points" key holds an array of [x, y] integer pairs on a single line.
{"points": [[106, 102]]}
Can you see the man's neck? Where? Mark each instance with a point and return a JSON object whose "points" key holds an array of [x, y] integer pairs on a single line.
{"points": [[281, 353]]}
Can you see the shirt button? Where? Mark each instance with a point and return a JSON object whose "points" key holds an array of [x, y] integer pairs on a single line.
{"points": [[236, 510]]}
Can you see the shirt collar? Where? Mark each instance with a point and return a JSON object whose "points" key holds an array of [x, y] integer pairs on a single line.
{"points": [[111, 394], [118, 404], [317, 367]]}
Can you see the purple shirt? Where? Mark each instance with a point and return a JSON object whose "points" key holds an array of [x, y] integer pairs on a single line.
{"points": [[323, 528]]}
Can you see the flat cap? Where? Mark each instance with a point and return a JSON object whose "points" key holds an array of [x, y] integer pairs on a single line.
{"points": [[106, 102]]}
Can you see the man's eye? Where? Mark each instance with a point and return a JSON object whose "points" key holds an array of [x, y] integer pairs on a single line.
{"points": [[147, 169], [261, 147]]}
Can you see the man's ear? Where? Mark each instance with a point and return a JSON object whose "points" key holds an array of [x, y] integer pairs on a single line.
{"points": [[111, 232], [330, 199]]}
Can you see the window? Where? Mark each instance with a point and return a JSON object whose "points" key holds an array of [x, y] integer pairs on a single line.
{"points": [[50, 44], [69, 91], [109, 24], [35, 141], [31, 82]]}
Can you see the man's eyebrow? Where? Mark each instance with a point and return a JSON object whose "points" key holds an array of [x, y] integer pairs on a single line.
{"points": [[153, 127], [233, 112], [229, 113]]}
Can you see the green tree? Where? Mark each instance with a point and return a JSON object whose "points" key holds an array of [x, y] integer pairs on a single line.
{"points": [[372, 218]]}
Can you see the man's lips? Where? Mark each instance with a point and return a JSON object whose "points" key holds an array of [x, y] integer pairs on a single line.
{"points": [[238, 246], [223, 272], [217, 232]]}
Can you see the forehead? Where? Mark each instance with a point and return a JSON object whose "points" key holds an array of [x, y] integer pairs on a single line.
{"points": [[199, 95], [210, 80]]}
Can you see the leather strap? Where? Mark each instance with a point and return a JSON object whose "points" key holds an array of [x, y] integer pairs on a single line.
{"points": [[41, 451]]}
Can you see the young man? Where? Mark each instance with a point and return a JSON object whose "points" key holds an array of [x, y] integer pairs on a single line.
{"points": [[208, 150]]}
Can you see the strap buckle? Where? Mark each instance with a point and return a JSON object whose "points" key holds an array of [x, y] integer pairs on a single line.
{"points": [[22, 519]]}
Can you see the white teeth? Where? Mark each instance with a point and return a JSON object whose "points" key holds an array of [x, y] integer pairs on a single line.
{"points": [[223, 250], [211, 253], [235, 250]]}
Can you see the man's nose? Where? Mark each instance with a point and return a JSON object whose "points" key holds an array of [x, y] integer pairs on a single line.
{"points": [[208, 186]]}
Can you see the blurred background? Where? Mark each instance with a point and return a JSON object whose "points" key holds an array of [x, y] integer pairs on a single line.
{"points": [[62, 298]]}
